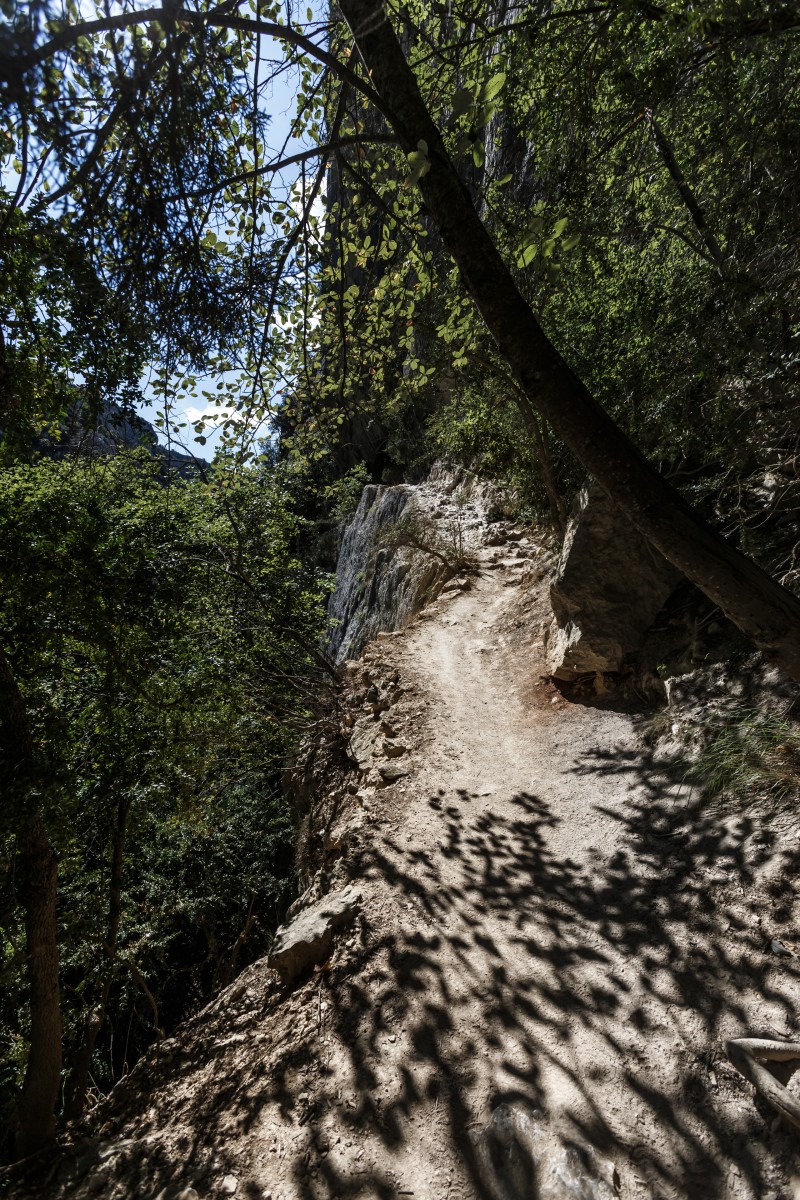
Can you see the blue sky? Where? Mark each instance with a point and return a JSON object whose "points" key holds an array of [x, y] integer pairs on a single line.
{"points": [[280, 103]]}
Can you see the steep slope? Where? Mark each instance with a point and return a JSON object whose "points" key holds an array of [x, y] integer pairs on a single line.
{"points": [[545, 927]]}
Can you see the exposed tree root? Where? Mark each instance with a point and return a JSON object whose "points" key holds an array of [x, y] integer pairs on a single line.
{"points": [[748, 1054]]}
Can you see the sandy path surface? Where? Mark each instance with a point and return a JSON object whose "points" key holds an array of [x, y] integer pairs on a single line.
{"points": [[543, 928], [554, 937]]}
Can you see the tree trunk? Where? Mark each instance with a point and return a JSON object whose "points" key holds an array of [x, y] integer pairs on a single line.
{"points": [[38, 871], [558, 508], [766, 612]]}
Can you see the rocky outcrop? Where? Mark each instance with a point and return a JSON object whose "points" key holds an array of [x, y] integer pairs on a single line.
{"points": [[376, 588], [110, 431], [308, 938], [608, 589], [382, 581]]}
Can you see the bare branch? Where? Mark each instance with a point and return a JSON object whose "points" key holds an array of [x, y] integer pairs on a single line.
{"points": [[293, 160]]}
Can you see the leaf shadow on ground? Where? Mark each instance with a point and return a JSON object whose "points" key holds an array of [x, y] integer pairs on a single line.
{"points": [[651, 899], [524, 1002]]}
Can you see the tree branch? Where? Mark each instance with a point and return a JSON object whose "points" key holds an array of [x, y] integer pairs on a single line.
{"points": [[177, 16]]}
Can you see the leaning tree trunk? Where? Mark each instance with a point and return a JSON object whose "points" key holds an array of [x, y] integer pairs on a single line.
{"points": [[763, 610], [38, 874]]}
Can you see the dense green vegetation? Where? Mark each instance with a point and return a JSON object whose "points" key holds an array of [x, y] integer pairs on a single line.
{"points": [[162, 633], [636, 166], [639, 170]]}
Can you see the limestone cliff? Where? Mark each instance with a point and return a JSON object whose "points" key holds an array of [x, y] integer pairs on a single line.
{"points": [[383, 579]]}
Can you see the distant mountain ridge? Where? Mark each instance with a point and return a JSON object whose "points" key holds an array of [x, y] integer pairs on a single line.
{"points": [[112, 429]]}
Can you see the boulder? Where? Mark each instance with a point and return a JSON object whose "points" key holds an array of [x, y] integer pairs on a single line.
{"points": [[363, 738], [390, 772], [609, 587], [394, 749], [308, 938]]}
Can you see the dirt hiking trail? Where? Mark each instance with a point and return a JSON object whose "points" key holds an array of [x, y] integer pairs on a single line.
{"points": [[559, 940], [543, 931]]}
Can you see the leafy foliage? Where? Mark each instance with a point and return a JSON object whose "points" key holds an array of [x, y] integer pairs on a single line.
{"points": [[162, 637], [638, 170], [60, 327]]}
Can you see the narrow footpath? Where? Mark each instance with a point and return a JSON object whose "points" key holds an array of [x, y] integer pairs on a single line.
{"points": [[551, 953], [564, 938]]}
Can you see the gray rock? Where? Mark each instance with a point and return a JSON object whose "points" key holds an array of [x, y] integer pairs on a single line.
{"points": [[519, 1156], [340, 838], [394, 749], [778, 947], [383, 702], [390, 772], [714, 692], [363, 737], [378, 589], [609, 587], [308, 938]]}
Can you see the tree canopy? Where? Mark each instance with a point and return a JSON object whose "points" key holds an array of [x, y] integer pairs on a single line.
{"points": [[163, 638]]}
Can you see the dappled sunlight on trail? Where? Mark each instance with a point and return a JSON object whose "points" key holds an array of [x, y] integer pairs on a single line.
{"points": [[550, 925]]}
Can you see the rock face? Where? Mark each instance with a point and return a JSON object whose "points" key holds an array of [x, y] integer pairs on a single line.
{"points": [[380, 587], [308, 938], [372, 589], [609, 587], [108, 432]]}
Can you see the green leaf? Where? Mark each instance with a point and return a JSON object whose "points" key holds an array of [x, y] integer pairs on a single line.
{"points": [[506, 179], [560, 226], [484, 115], [478, 154], [420, 165], [528, 255], [494, 86], [569, 243]]}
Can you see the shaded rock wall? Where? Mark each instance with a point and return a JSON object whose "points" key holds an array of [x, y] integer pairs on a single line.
{"points": [[608, 589], [112, 430], [377, 587]]}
